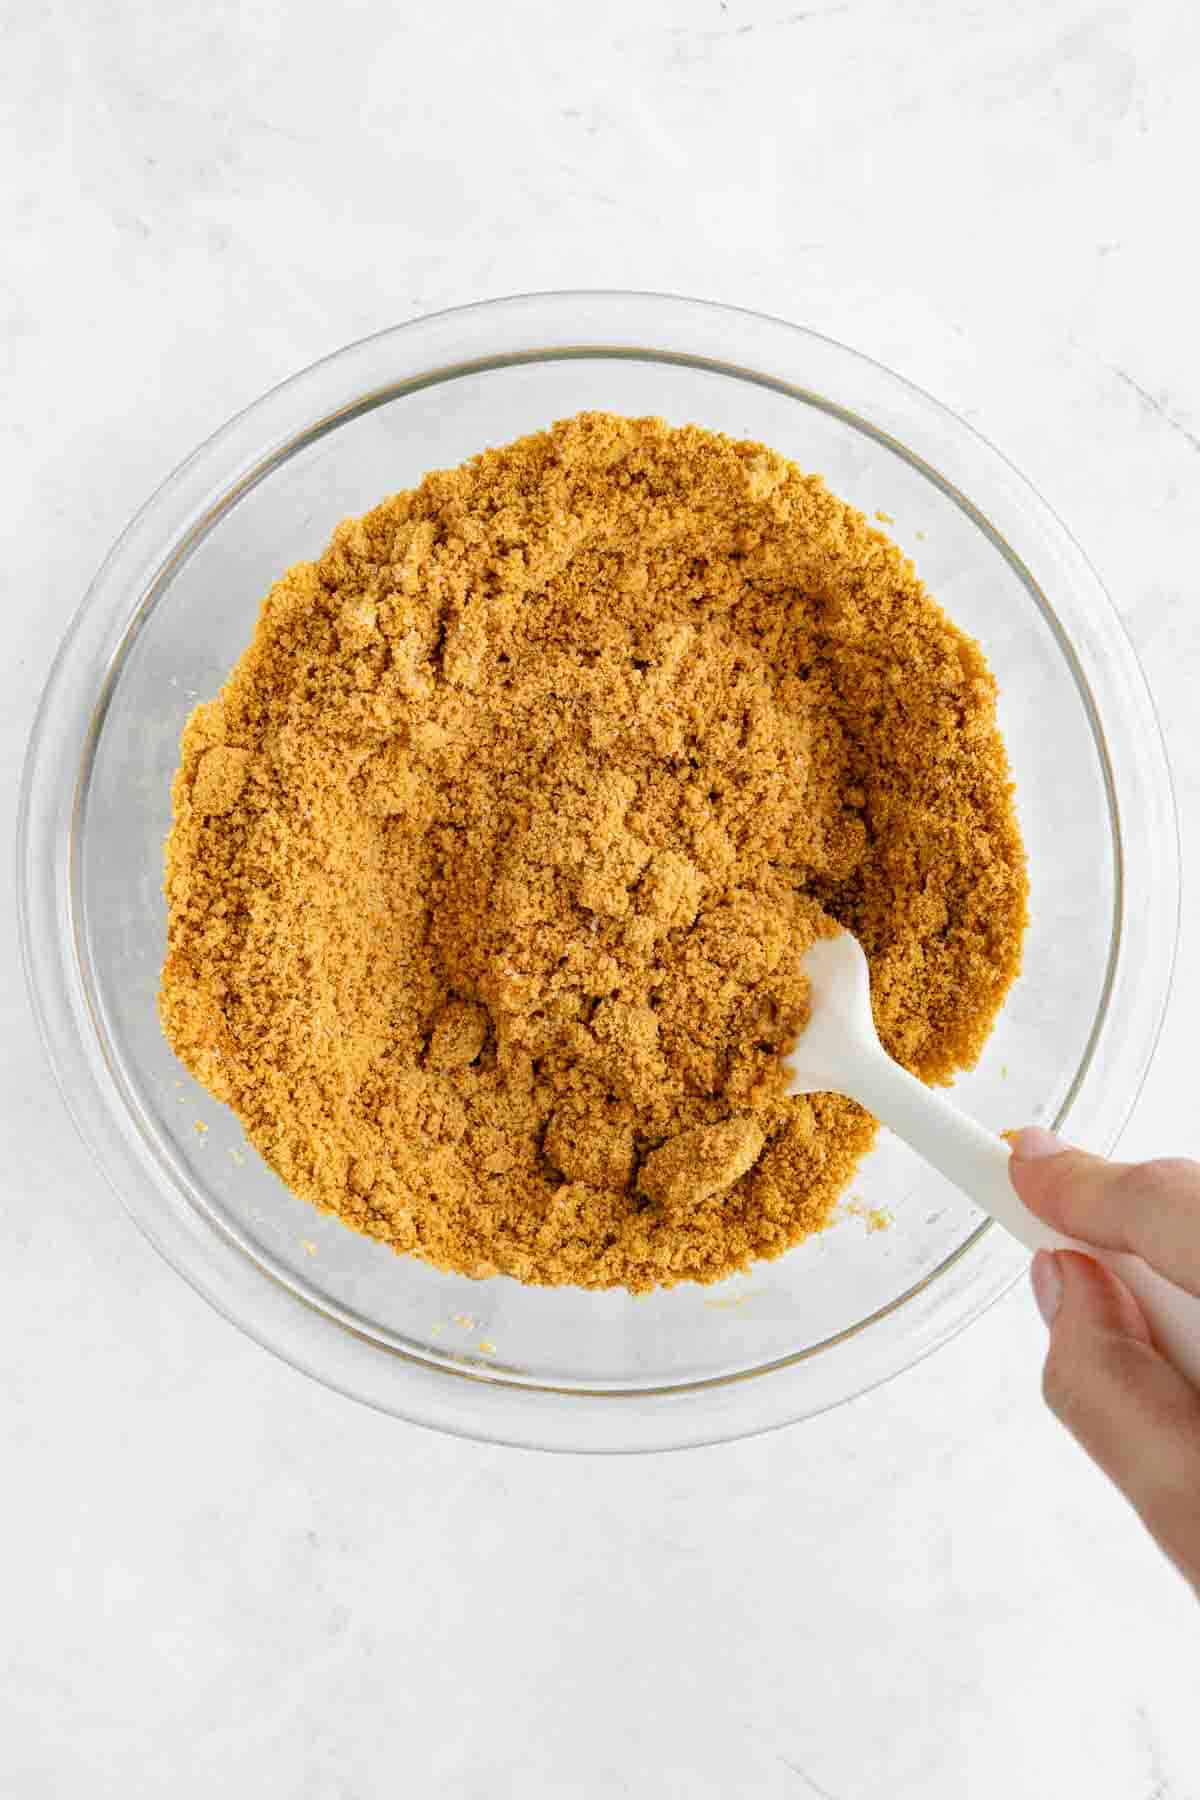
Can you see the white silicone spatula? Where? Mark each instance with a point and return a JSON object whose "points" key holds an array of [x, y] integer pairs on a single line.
{"points": [[839, 1052]]}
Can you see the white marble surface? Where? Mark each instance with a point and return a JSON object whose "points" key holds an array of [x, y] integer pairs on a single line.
{"points": [[219, 1577]]}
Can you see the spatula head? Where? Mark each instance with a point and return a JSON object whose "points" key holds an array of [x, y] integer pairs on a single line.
{"points": [[840, 1031]]}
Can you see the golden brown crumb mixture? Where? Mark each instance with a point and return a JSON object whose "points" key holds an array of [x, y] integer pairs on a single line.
{"points": [[494, 860]]}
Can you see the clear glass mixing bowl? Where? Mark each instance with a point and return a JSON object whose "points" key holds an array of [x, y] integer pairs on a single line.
{"points": [[171, 610]]}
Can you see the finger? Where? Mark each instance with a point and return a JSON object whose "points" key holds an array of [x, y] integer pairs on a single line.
{"points": [[1150, 1208], [1132, 1412]]}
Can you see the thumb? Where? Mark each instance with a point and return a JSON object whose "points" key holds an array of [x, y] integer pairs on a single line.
{"points": [[1131, 1411]]}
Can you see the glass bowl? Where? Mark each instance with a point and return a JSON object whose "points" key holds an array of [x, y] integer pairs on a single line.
{"points": [[171, 610]]}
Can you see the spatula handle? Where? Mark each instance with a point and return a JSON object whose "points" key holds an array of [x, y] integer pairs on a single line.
{"points": [[977, 1162]]}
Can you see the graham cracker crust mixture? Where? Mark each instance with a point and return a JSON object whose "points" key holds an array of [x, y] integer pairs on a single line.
{"points": [[494, 860]]}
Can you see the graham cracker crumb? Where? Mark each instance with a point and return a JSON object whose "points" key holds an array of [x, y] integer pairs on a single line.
{"points": [[697, 1164], [459, 1034], [494, 861], [220, 776]]}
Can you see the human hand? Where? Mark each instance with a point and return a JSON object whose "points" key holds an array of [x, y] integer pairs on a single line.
{"points": [[1132, 1411]]}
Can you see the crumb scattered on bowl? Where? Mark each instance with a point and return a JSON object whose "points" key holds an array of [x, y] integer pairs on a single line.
{"points": [[875, 1218], [730, 1302]]}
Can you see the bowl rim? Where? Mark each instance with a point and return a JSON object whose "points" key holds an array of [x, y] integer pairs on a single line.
{"points": [[192, 499]]}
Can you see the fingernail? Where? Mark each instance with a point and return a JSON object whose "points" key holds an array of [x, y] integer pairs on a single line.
{"points": [[1047, 1285], [1032, 1143]]}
